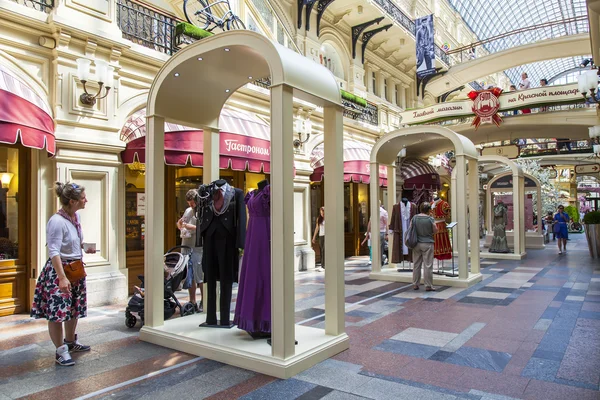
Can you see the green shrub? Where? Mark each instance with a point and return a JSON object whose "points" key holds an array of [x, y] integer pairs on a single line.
{"points": [[592, 217], [353, 98], [183, 28], [573, 213]]}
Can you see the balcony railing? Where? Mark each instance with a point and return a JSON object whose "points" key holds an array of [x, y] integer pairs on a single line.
{"points": [[368, 114], [145, 26], [504, 41], [559, 146], [396, 14], [40, 5]]}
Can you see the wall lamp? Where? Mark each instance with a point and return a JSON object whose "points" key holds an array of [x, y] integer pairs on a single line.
{"points": [[588, 83], [303, 128], [104, 77], [595, 136]]}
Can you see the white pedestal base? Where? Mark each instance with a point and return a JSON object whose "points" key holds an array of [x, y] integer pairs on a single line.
{"points": [[502, 256], [235, 347], [392, 275], [533, 240]]}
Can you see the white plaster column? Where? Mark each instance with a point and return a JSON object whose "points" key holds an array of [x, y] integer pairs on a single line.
{"points": [[334, 231], [282, 232], [375, 240], [403, 89], [518, 216], [368, 78], [210, 166], [473, 185], [381, 84], [210, 173], [539, 209], [391, 201], [155, 222], [453, 208], [461, 218]]}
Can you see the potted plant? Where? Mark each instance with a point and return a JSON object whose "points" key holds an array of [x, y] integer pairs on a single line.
{"points": [[591, 221]]}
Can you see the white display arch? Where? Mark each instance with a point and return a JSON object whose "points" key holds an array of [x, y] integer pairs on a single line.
{"points": [[421, 141], [191, 89], [532, 240], [519, 208]]}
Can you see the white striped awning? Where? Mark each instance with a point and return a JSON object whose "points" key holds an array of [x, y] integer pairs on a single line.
{"points": [[231, 121], [25, 116], [415, 167], [12, 84], [357, 165], [353, 151]]}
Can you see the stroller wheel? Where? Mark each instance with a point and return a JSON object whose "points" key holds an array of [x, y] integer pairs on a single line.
{"points": [[130, 321], [188, 309]]}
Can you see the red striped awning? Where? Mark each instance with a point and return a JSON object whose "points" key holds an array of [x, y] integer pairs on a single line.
{"points": [[243, 142], [357, 166], [24, 115], [418, 174]]}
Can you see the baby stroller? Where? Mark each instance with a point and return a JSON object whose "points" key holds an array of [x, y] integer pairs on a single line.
{"points": [[176, 267]]}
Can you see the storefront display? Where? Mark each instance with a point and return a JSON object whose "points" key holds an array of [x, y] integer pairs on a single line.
{"points": [[253, 304], [440, 210], [221, 233]]}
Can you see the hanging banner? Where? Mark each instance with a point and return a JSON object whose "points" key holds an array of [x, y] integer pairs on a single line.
{"points": [[425, 46], [542, 96], [486, 106]]}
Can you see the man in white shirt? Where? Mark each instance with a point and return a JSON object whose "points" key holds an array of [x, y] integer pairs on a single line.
{"points": [[524, 85]]}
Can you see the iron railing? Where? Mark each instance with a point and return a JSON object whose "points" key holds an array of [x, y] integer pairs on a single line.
{"points": [[396, 14], [535, 33], [40, 5], [553, 147], [368, 114], [145, 26]]}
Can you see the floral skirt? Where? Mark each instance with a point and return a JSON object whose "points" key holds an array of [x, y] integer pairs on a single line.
{"points": [[50, 303]]}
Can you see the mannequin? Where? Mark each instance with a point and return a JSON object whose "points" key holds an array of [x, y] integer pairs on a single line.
{"points": [[253, 305], [499, 242], [223, 232], [402, 214], [440, 210]]}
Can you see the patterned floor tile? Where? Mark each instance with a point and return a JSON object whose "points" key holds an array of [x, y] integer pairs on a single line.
{"points": [[425, 336], [480, 358], [407, 348], [541, 369]]}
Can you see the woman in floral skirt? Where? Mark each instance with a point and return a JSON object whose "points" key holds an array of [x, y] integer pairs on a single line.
{"points": [[55, 298]]}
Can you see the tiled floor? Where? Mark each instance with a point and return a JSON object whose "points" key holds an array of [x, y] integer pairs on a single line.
{"points": [[530, 330]]}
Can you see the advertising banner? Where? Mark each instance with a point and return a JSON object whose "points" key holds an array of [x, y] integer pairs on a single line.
{"points": [[425, 46], [507, 101]]}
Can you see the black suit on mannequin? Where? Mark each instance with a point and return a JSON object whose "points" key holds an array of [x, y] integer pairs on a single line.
{"points": [[222, 235]]}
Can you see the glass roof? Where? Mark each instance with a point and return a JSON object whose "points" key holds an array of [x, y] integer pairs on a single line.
{"points": [[545, 69], [491, 18]]}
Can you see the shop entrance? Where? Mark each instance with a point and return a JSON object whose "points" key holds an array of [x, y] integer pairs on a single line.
{"points": [[14, 235]]}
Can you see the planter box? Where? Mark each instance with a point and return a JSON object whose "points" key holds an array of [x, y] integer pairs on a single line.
{"points": [[592, 234]]}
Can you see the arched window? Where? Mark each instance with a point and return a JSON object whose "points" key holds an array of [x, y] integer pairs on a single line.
{"points": [[330, 58]]}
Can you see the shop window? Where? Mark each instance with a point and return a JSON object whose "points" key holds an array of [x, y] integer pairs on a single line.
{"points": [[348, 207], [135, 204], [9, 207], [363, 207]]}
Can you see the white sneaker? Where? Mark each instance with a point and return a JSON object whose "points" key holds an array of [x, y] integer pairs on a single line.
{"points": [[63, 357]]}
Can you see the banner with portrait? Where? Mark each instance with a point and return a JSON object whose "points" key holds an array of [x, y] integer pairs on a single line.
{"points": [[424, 35]]}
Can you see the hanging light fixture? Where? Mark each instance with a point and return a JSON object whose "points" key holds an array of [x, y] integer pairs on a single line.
{"points": [[104, 77], [588, 83]]}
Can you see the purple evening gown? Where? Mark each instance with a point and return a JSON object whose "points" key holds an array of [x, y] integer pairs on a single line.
{"points": [[253, 304]]}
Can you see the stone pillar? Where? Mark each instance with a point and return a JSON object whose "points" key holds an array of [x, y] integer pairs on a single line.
{"points": [[473, 184], [282, 235], [155, 222], [334, 234]]}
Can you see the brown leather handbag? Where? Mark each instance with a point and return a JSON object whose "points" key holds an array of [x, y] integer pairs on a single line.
{"points": [[74, 271]]}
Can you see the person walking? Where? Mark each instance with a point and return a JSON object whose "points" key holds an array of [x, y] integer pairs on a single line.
{"points": [[187, 227], [561, 228], [423, 252], [56, 298], [320, 230], [383, 231]]}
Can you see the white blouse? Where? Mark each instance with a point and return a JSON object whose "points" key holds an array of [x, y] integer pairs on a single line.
{"points": [[62, 238]]}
